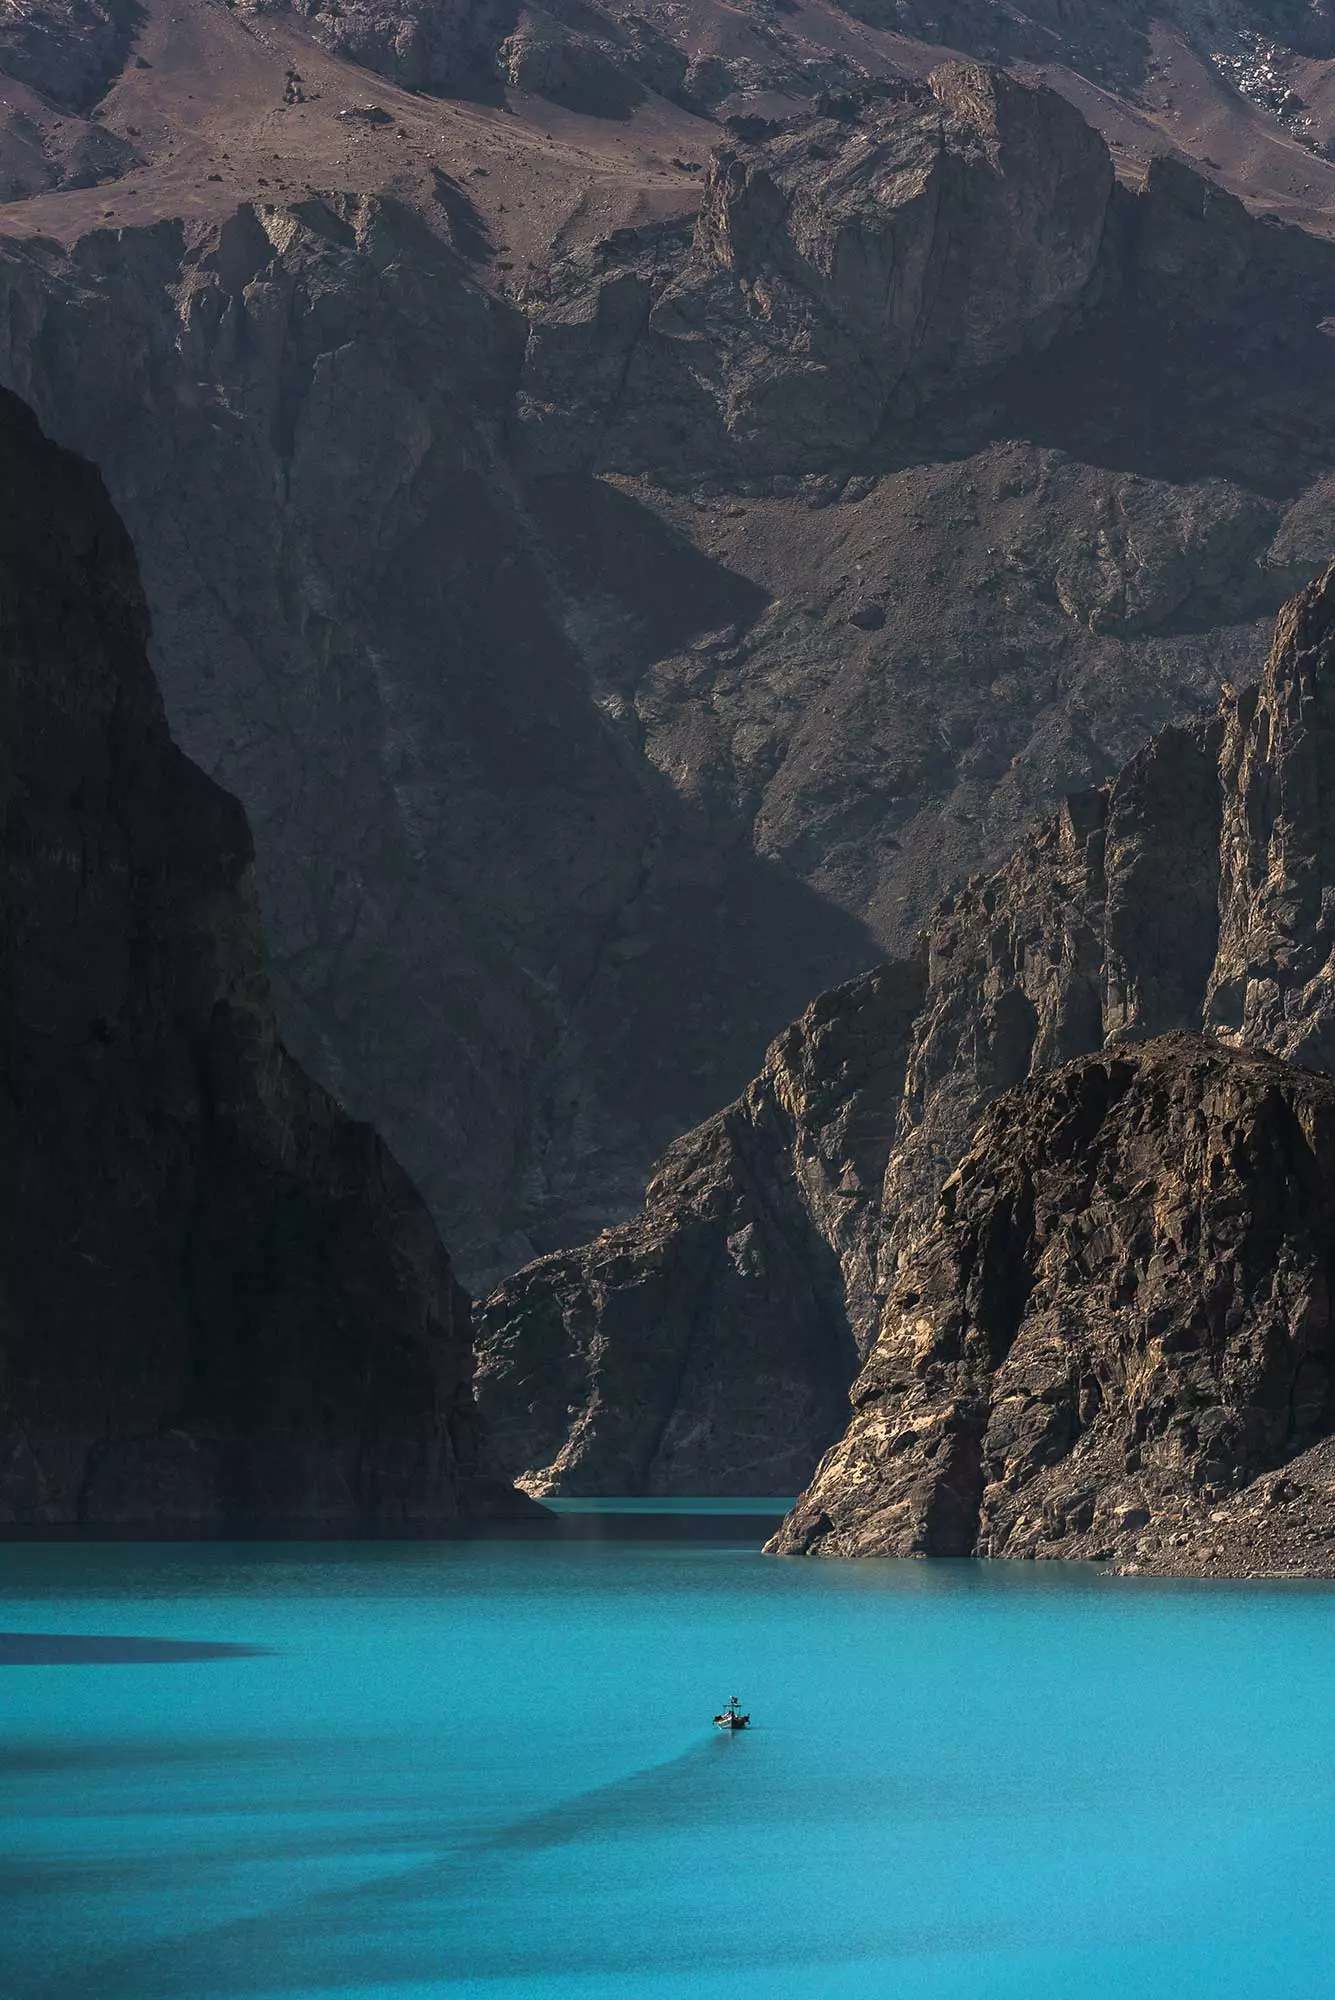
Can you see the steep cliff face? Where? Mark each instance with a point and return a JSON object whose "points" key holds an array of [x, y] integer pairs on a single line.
{"points": [[835, 270], [480, 897], [223, 1301], [1190, 892], [707, 1347], [567, 733], [1120, 1318]]}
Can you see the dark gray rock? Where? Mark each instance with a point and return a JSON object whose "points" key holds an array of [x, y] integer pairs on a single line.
{"points": [[1119, 1318], [840, 265], [1191, 890], [68, 50], [224, 1302], [551, 761], [444, 46], [707, 1347]]}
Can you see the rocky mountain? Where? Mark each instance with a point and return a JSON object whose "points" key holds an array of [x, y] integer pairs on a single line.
{"points": [[626, 587], [224, 1304], [1115, 1340], [638, 503], [707, 1346], [1190, 894]]}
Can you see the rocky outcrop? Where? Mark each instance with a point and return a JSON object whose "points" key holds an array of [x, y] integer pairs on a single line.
{"points": [[479, 895], [557, 750], [1120, 1319], [1189, 893], [1271, 985], [604, 74], [848, 268], [444, 46], [224, 1304], [707, 1347], [838, 267], [68, 50]]}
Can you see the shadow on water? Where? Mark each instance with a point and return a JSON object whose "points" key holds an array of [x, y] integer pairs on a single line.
{"points": [[422, 1922], [77, 1649]]}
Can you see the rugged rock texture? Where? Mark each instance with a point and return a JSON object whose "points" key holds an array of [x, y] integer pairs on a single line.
{"points": [[436, 45], [589, 63], [1190, 892], [69, 50], [848, 269], [834, 271], [481, 899], [223, 1301], [1120, 1318], [563, 735], [707, 1347], [579, 702]]}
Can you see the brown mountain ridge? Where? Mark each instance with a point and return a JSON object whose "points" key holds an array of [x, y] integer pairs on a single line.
{"points": [[224, 1304], [1120, 1296], [596, 696]]}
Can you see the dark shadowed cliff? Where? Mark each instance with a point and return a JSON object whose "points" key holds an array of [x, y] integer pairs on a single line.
{"points": [[1192, 893], [223, 1302], [1119, 1319], [623, 620]]}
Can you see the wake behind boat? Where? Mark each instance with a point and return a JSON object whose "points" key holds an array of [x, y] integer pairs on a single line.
{"points": [[732, 1717]]}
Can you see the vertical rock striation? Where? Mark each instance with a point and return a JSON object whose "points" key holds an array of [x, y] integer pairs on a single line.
{"points": [[707, 1346], [222, 1302], [1192, 892], [1119, 1320]]}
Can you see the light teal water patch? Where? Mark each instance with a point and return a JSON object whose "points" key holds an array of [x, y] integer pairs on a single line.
{"points": [[486, 1771], [696, 1508]]}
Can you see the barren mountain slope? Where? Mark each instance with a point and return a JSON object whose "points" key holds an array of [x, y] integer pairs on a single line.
{"points": [[579, 755], [224, 1303], [1191, 893]]}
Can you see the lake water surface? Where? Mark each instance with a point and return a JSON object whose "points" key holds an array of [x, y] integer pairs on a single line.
{"points": [[486, 1770]]}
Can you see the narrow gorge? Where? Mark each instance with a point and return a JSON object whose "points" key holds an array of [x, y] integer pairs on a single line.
{"points": [[1120, 1297], [225, 1307]]}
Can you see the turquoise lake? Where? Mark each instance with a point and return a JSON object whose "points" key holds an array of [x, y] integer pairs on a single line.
{"points": [[485, 1769]]}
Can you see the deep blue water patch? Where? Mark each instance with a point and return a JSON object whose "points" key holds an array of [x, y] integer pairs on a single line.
{"points": [[91, 1649], [486, 1769]]}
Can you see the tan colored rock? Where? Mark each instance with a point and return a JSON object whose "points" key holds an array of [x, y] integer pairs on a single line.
{"points": [[1119, 1319], [224, 1303]]}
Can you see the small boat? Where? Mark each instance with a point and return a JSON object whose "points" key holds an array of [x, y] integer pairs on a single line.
{"points": [[732, 1717]]}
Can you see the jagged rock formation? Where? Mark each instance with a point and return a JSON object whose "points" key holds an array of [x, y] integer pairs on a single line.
{"points": [[796, 709], [223, 1301], [563, 734], [437, 45], [472, 882], [68, 50], [1120, 1318], [847, 268], [706, 1348], [1189, 893], [834, 268]]}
